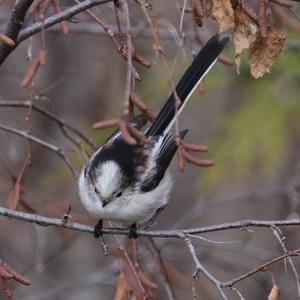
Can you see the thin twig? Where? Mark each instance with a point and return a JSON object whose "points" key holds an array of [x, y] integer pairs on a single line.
{"points": [[52, 116], [277, 233], [260, 268], [160, 262], [201, 269], [43, 143], [129, 56]]}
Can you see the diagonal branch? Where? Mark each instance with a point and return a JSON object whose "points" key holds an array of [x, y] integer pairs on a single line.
{"points": [[14, 26], [17, 18], [50, 115], [63, 15], [45, 144]]}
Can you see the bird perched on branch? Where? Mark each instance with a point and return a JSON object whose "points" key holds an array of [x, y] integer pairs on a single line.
{"points": [[130, 183]]}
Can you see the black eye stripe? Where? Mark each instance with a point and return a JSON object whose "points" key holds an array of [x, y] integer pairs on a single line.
{"points": [[119, 194], [96, 191]]}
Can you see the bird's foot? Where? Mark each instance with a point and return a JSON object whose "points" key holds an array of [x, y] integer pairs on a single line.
{"points": [[132, 232], [98, 229], [99, 235]]}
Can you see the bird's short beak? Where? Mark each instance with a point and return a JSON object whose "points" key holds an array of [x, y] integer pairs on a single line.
{"points": [[104, 203]]}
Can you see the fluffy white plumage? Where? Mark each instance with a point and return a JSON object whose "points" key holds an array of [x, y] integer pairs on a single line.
{"points": [[131, 207]]}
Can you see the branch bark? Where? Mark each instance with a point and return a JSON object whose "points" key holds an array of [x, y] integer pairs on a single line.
{"points": [[14, 26], [17, 19], [178, 233]]}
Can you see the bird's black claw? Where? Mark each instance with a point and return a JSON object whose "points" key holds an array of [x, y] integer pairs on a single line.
{"points": [[98, 229], [132, 232]]}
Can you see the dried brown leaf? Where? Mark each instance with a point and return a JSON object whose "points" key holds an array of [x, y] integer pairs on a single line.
{"points": [[275, 293], [222, 12], [263, 53], [244, 33]]}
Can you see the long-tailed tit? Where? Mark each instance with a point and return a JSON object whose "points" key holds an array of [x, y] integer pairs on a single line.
{"points": [[130, 183]]}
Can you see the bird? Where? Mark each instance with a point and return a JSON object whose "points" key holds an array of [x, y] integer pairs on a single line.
{"points": [[128, 183]]}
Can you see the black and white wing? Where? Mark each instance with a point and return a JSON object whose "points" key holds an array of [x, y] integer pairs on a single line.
{"points": [[166, 149]]}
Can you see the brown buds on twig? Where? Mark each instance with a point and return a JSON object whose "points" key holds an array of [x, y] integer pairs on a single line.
{"points": [[223, 59], [35, 6], [6, 274], [139, 103], [249, 11], [136, 56], [7, 40], [262, 18], [201, 87], [138, 135], [33, 68], [198, 12], [131, 134], [63, 24], [185, 157], [123, 126]]}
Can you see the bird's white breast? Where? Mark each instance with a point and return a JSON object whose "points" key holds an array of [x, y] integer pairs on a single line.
{"points": [[131, 207]]}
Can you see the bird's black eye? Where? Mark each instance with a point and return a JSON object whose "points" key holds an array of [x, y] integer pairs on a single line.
{"points": [[119, 194], [96, 191]]}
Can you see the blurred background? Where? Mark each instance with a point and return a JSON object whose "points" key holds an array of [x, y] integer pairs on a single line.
{"points": [[252, 129]]}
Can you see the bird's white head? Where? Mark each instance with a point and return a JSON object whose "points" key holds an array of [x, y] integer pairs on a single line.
{"points": [[108, 182]]}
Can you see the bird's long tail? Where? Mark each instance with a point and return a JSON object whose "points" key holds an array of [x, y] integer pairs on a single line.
{"points": [[203, 62]]}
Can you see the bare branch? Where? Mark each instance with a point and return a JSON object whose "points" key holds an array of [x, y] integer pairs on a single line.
{"points": [[201, 269], [64, 15], [14, 26], [17, 18], [45, 144], [261, 268], [277, 233], [51, 116], [178, 233]]}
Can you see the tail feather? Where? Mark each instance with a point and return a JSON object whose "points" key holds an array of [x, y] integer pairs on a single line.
{"points": [[191, 78]]}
